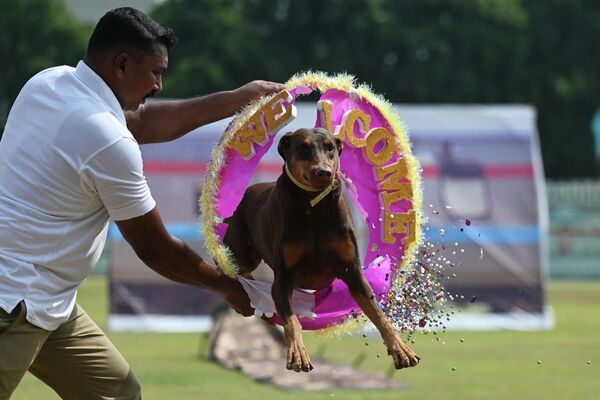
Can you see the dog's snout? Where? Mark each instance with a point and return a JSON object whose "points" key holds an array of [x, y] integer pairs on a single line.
{"points": [[323, 172]]}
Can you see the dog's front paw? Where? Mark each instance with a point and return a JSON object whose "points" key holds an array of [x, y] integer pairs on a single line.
{"points": [[297, 357], [402, 354]]}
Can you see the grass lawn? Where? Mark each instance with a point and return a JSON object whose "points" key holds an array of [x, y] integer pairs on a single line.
{"points": [[488, 365]]}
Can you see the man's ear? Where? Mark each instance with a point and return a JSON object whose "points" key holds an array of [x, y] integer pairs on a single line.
{"points": [[120, 64], [339, 144], [284, 145]]}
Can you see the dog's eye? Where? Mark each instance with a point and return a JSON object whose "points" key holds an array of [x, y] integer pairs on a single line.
{"points": [[329, 147], [304, 151]]}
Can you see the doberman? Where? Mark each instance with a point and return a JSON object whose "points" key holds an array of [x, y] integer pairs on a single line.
{"points": [[301, 227]]}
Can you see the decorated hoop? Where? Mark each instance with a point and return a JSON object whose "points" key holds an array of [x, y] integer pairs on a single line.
{"points": [[377, 165]]}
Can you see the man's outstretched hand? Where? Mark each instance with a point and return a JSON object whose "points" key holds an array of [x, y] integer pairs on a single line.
{"points": [[237, 298], [257, 89]]}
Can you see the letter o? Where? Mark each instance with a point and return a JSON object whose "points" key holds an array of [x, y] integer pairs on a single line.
{"points": [[374, 136]]}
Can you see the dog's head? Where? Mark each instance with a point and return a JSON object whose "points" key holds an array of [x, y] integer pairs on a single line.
{"points": [[312, 155]]}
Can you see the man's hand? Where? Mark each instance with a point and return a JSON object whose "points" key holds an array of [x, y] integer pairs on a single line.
{"points": [[237, 298], [257, 89]]}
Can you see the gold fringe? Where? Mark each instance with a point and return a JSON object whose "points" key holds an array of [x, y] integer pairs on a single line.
{"points": [[322, 82]]}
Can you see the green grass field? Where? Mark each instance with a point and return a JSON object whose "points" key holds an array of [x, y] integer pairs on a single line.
{"points": [[488, 365]]}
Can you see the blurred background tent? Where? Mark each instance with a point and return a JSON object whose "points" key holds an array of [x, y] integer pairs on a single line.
{"points": [[484, 194]]}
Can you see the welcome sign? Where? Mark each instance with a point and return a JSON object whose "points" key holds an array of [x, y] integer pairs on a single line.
{"points": [[377, 165]]}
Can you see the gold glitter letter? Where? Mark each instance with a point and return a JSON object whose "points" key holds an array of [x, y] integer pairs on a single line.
{"points": [[252, 132], [279, 111], [324, 108], [404, 192], [346, 129], [374, 136], [397, 172], [398, 223]]}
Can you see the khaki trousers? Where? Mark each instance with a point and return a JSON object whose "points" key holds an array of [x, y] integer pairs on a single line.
{"points": [[77, 360]]}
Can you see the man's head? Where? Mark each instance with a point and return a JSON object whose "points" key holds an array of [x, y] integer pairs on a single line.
{"points": [[312, 156], [130, 50]]}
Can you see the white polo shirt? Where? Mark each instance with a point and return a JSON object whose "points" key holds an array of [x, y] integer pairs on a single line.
{"points": [[67, 164]]}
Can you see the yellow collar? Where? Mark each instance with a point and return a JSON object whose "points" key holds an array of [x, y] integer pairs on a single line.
{"points": [[302, 186]]}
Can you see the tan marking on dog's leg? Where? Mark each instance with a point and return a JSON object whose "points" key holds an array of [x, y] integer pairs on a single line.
{"points": [[292, 253], [297, 356], [344, 248]]}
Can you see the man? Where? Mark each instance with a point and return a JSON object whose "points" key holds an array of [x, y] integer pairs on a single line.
{"points": [[69, 160]]}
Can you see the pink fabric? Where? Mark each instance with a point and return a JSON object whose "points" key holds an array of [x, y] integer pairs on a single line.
{"points": [[334, 304], [236, 176]]}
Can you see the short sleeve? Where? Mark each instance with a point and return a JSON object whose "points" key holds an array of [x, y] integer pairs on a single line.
{"points": [[116, 174]]}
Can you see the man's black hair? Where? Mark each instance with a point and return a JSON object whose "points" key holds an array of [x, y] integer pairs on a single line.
{"points": [[128, 29]]}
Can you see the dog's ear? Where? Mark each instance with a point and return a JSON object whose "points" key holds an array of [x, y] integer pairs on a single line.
{"points": [[284, 145], [339, 144]]}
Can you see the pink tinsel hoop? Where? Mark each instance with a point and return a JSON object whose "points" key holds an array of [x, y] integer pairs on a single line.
{"points": [[377, 164]]}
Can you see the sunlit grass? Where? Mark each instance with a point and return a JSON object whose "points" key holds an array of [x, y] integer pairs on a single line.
{"points": [[488, 365]]}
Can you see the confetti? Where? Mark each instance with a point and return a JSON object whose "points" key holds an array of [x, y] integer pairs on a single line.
{"points": [[481, 253], [419, 301]]}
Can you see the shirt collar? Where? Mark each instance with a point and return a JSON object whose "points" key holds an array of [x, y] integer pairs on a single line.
{"points": [[97, 84]]}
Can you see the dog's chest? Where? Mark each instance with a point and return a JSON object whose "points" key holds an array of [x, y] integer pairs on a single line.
{"points": [[315, 264]]}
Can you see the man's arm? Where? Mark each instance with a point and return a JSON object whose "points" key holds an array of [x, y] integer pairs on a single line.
{"points": [[168, 120], [173, 259]]}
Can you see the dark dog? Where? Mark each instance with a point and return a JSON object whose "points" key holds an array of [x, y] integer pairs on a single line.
{"points": [[307, 245]]}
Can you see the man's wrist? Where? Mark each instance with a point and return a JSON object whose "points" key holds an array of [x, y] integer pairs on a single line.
{"points": [[239, 98], [224, 283]]}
